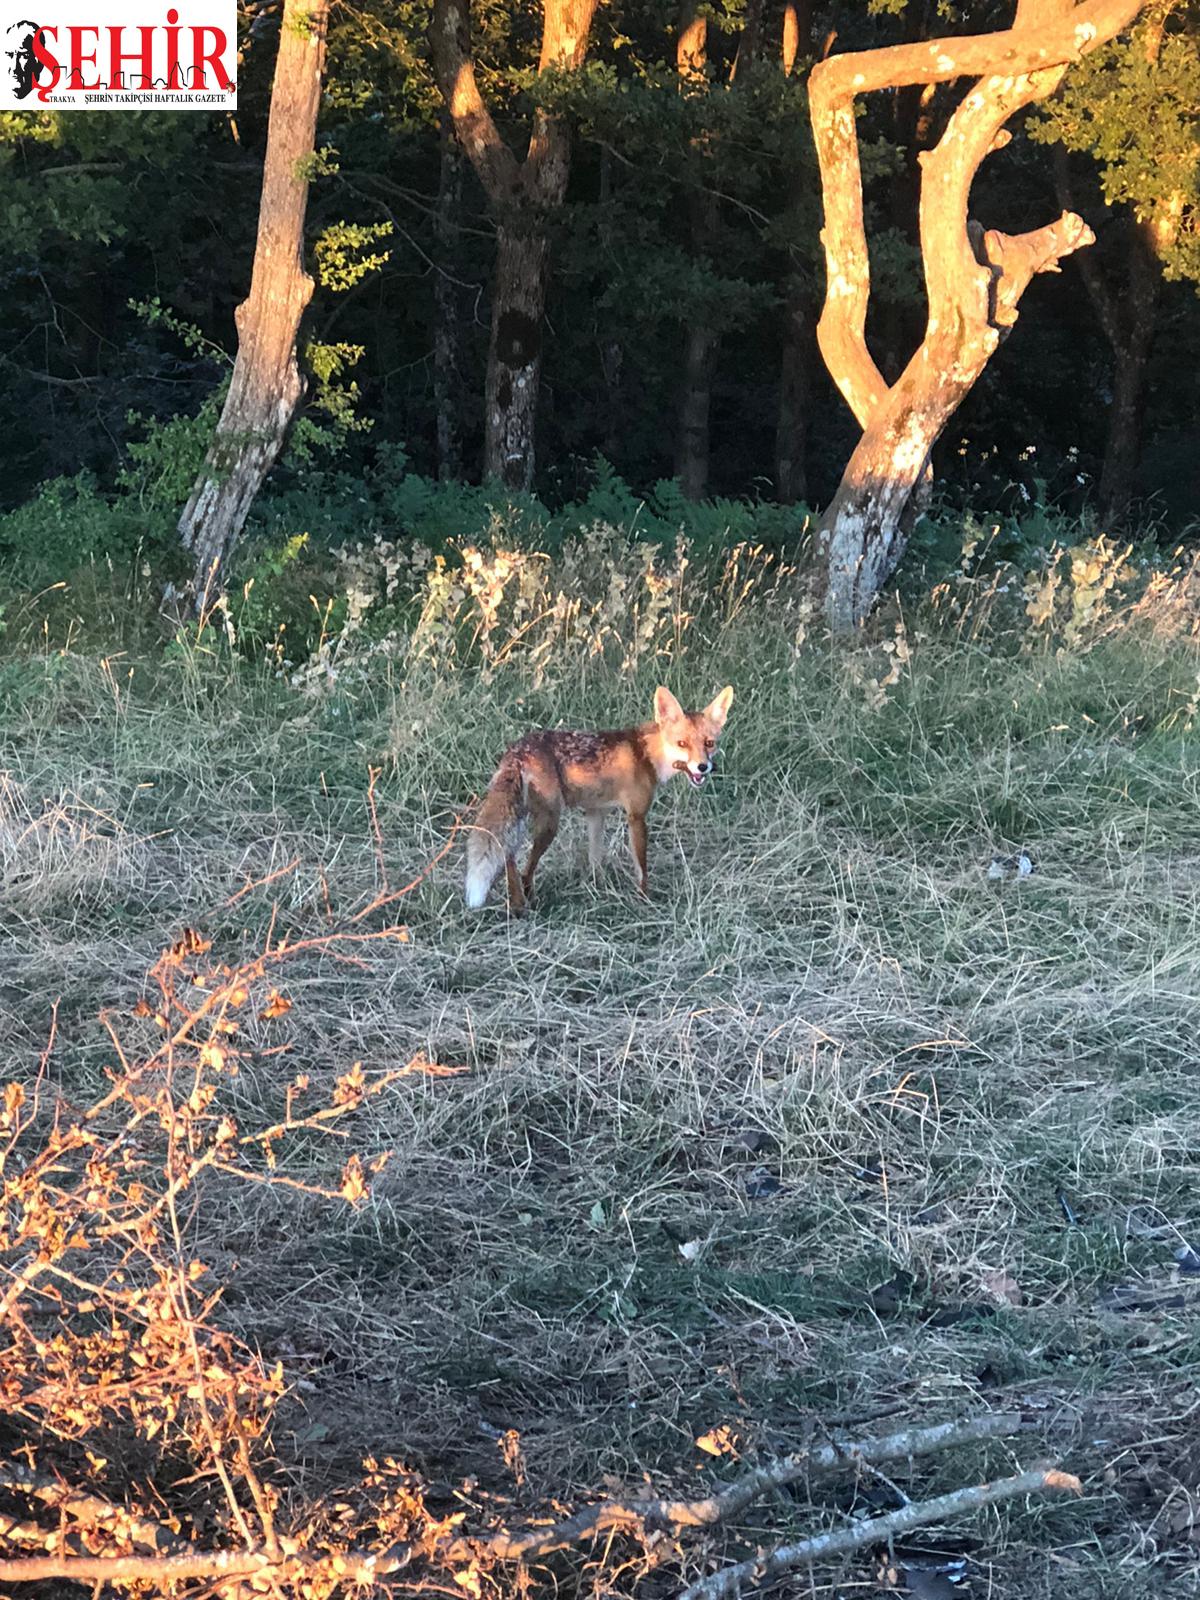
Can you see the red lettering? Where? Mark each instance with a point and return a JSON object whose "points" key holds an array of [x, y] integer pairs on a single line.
{"points": [[174, 81], [144, 55], [79, 60], [202, 58], [45, 60]]}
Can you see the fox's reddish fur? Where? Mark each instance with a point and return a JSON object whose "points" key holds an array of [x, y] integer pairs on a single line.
{"points": [[546, 772]]}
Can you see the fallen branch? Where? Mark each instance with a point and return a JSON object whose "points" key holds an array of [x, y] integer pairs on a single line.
{"points": [[640, 1516], [729, 1581]]}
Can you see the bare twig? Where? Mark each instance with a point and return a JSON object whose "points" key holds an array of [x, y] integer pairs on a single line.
{"points": [[730, 1581]]}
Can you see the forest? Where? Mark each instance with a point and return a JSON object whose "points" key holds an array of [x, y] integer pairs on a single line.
{"points": [[808, 1206], [654, 205]]}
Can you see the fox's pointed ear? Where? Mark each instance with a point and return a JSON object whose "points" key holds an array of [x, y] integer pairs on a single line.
{"points": [[666, 707], [719, 710]]}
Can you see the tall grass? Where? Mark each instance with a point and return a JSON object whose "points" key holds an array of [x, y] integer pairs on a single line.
{"points": [[836, 1126]]}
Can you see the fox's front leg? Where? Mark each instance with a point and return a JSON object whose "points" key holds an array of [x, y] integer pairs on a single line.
{"points": [[637, 843]]}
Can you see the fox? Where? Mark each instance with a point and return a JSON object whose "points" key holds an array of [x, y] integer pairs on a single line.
{"points": [[552, 770]]}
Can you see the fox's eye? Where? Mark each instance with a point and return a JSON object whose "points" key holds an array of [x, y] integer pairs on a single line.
{"points": [[710, 744]]}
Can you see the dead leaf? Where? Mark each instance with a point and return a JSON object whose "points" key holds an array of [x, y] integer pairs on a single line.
{"points": [[719, 1441], [189, 943], [277, 1005], [354, 1184]]}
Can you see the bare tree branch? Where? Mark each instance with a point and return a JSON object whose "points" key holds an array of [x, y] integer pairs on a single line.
{"points": [[730, 1581]]}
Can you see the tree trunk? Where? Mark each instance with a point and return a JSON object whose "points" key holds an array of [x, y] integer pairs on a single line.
{"points": [[1123, 446], [521, 195], [514, 358], [266, 386], [795, 384], [973, 279], [447, 324]]}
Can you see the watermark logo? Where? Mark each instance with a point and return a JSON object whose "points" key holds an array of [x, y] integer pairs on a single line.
{"points": [[118, 55]]}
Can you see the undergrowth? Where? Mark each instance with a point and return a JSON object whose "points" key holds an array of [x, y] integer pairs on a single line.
{"points": [[837, 1127]]}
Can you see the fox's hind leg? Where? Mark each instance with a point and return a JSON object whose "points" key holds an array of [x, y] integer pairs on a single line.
{"points": [[516, 891], [595, 832], [544, 822]]}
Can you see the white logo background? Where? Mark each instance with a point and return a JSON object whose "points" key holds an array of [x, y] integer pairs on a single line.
{"points": [[118, 55]]}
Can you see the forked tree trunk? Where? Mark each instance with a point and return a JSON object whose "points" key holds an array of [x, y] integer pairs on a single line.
{"points": [[522, 195], [447, 323], [973, 279], [266, 386]]}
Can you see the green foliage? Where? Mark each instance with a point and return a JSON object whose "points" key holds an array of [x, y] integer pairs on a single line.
{"points": [[162, 465], [323, 162], [343, 253], [127, 243], [68, 524], [156, 315], [1134, 107]]}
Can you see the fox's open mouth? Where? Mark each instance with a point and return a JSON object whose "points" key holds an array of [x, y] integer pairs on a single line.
{"points": [[696, 779]]}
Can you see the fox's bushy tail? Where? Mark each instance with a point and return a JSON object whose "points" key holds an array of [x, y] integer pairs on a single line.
{"points": [[495, 830]]}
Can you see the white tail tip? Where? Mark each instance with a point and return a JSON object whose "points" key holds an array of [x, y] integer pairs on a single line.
{"points": [[479, 881]]}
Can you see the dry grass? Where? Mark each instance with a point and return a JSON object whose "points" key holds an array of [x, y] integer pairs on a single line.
{"points": [[849, 1075]]}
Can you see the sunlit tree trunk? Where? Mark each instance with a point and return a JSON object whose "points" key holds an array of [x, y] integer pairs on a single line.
{"points": [[974, 278], [522, 196], [266, 386]]}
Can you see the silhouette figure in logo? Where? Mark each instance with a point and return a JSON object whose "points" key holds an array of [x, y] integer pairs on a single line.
{"points": [[25, 65]]}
